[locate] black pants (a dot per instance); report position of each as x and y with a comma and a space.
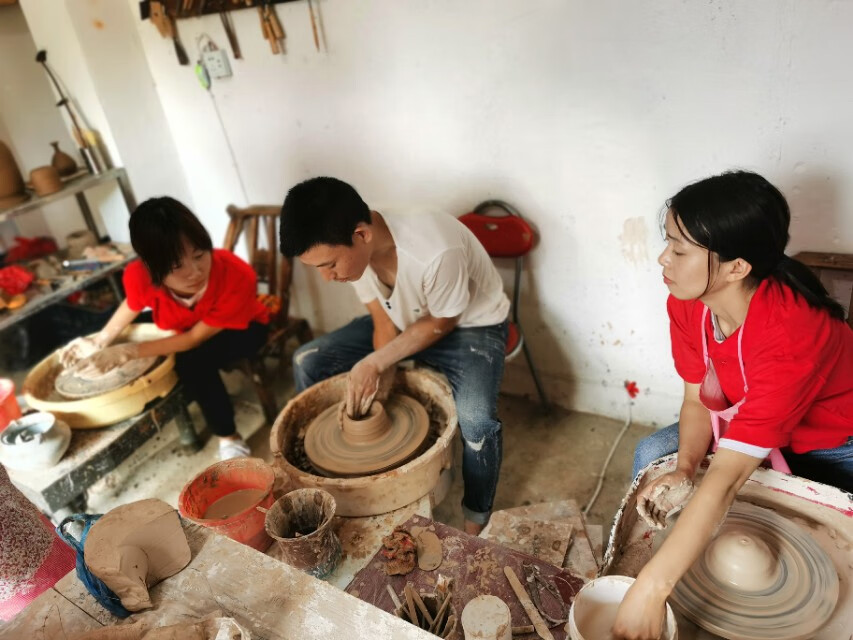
198, 370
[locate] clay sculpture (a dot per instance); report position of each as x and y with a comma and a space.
340, 446
135, 546
762, 577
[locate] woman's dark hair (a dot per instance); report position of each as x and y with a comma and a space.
157, 229
320, 211
739, 214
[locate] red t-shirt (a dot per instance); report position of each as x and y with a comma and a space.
230, 300
798, 363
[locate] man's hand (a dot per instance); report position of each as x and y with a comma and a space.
660, 497
77, 350
363, 384
106, 360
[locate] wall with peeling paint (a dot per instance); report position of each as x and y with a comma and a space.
585, 115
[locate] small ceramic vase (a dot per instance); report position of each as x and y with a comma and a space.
36, 441
45, 180
62, 162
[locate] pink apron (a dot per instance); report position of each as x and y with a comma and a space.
712, 397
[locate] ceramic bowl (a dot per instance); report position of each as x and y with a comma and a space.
36, 441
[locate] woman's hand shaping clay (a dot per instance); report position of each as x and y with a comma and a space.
106, 360
77, 350
657, 500
641, 614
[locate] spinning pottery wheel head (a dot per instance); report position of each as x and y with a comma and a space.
761, 578
388, 436
71, 385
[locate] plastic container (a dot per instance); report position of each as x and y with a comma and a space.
9, 409
224, 478
594, 609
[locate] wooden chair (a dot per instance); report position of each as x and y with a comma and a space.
505, 234
278, 278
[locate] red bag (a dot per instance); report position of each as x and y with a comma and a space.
15, 279
30, 249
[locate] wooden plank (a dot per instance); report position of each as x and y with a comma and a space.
820, 260
547, 540
48, 617
270, 598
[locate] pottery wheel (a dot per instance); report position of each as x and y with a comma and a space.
388, 436
71, 385
786, 594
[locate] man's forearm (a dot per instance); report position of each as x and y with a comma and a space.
415, 338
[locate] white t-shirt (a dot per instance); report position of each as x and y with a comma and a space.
442, 271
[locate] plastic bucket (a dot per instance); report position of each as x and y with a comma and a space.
9, 409
244, 522
594, 609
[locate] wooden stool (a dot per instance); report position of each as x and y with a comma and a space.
278, 278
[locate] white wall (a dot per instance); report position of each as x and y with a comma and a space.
585, 115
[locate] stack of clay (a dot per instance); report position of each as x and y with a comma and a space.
135, 546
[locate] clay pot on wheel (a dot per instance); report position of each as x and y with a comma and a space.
11, 181
64, 164
45, 180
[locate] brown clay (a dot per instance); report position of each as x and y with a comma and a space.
135, 546
301, 523
759, 558
45, 180
429, 550
11, 181
233, 503
400, 549
62, 162
389, 435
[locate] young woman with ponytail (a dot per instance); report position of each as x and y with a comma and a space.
767, 363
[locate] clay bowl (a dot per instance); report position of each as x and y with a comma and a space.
427, 474
36, 441
45, 180
594, 609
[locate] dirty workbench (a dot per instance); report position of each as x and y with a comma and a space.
270, 598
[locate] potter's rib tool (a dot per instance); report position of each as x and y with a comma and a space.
529, 608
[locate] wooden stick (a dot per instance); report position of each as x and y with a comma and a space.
447, 627
438, 616
523, 631
421, 606
529, 607
394, 598
413, 614
314, 25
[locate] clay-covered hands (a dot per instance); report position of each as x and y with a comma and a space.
362, 387
641, 614
77, 350
106, 360
662, 496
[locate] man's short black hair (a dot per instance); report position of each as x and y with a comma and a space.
320, 211
157, 229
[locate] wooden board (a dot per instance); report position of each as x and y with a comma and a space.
580, 558
545, 540
475, 564
270, 598
48, 617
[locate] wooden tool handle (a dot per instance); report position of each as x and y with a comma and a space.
529, 608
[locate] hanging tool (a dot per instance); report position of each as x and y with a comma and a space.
270, 27
314, 25
225, 16
183, 58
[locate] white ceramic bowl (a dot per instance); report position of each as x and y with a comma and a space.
36, 441
594, 609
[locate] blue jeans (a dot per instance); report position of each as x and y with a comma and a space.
829, 466
473, 361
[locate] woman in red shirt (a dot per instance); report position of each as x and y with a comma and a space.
767, 363
207, 296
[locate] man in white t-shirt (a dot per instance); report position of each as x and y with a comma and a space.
432, 294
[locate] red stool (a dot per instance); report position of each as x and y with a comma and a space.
505, 234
